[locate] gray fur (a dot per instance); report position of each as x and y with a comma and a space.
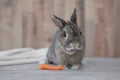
68, 46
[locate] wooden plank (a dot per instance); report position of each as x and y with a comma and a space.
38, 17
43, 12
106, 29
103, 35
28, 29
6, 36
110, 27
48, 24
100, 44
17, 23
27, 23
90, 25
117, 29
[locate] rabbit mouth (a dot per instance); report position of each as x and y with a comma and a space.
72, 51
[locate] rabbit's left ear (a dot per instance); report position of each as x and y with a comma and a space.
74, 16
59, 21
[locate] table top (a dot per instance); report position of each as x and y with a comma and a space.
93, 69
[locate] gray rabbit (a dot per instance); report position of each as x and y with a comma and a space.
68, 46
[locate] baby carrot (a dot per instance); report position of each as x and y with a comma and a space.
50, 67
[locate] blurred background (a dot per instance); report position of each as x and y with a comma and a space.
27, 23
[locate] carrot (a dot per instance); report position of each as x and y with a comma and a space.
50, 67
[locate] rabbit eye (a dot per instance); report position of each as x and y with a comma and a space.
64, 34
80, 32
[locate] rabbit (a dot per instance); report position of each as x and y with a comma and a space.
68, 45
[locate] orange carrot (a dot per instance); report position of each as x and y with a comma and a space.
50, 67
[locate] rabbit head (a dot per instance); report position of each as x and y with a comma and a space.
70, 37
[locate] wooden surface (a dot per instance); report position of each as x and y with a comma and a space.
27, 23
93, 69
101, 28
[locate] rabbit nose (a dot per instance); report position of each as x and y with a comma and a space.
74, 45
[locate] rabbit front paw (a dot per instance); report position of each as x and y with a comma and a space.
76, 66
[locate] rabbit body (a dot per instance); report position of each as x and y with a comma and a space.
68, 45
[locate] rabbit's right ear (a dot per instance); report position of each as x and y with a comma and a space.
58, 21
74, 16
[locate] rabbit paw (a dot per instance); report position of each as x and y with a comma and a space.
76, 66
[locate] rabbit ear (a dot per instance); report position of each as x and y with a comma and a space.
74, 16
58, 21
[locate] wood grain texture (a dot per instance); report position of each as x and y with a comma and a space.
27, 23
105, 30
17, 23
117, 28
101, 19
28, 29
6, 27
90, 26
38, 10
